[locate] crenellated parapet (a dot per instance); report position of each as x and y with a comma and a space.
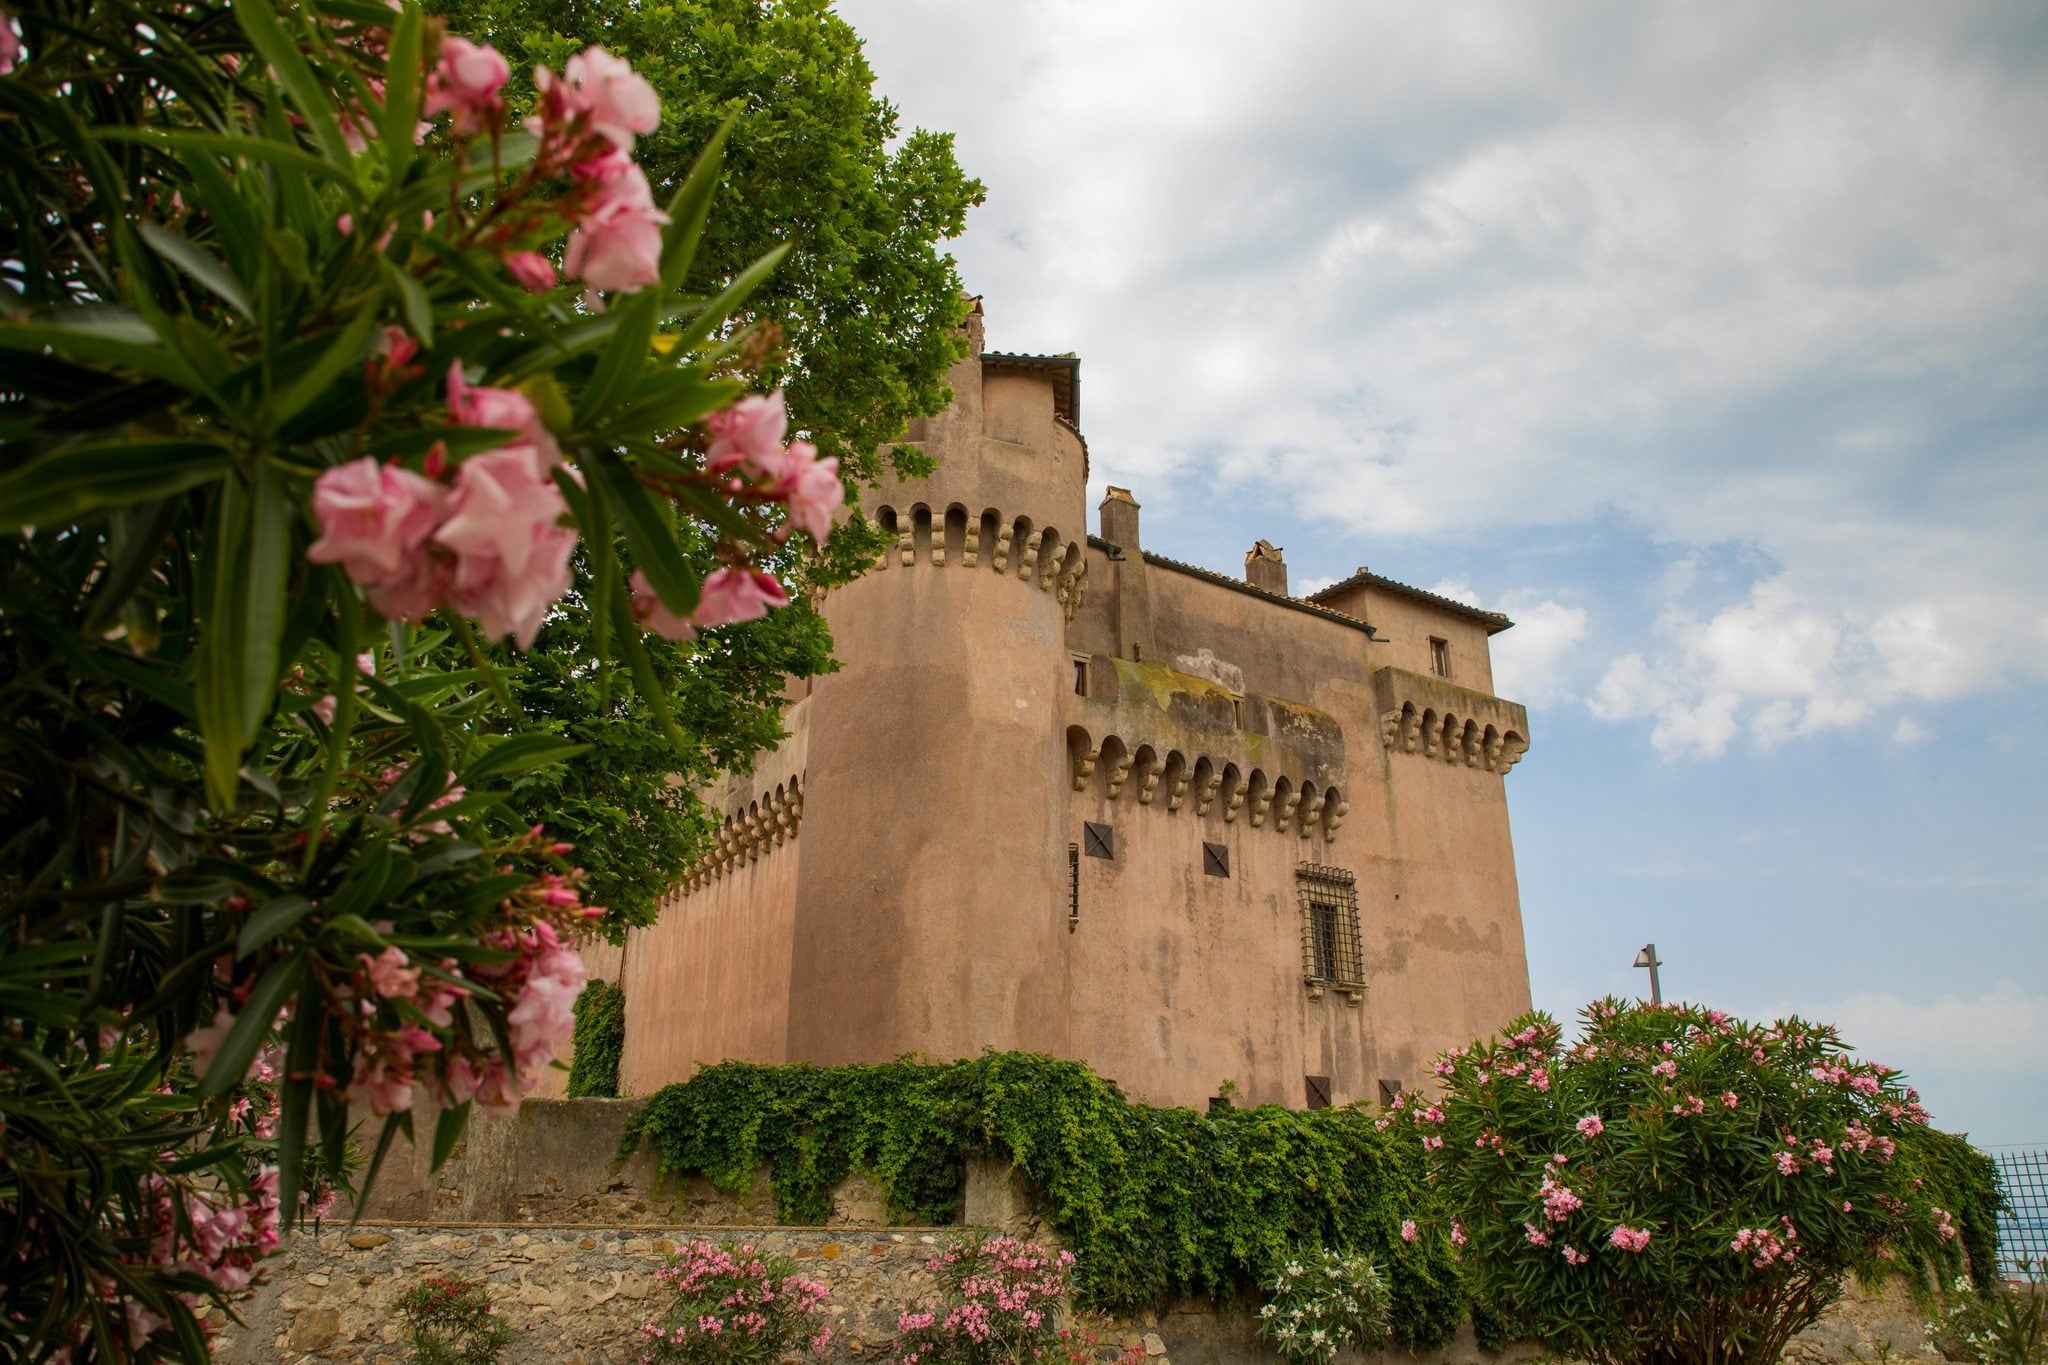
748, 835
1170, 780
1438, 720
1041, 556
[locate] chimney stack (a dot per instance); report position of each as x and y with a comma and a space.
1119, 519
1265, 569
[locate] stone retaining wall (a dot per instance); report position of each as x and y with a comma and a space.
578, 1296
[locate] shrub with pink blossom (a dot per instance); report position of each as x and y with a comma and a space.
1615, 1215
1001, 1303
327, 372
734, 1303
452, 1322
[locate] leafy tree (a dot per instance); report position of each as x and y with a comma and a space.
867, 307
1680, 1187
868, 304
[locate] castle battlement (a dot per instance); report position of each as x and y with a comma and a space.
1068, 795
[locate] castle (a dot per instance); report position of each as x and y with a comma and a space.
1073, 797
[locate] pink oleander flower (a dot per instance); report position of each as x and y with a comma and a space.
1666, 1069
1537, 1236
1408, 1232
813, 490
383, 1085
542, 1018
391, 974
535, 272
1788, 1164
465, 82
649, 612
1458, 1237
750, 432
511, 552
1590, 1127
1729, 1099
732, 595
396, 346
1572, 1255
10, 43
475, 405
1629, 1239
375, 520
617, 246
617, 101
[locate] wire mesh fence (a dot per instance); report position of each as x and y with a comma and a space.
2023, 1222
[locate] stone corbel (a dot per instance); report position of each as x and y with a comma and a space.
1232, 802
1475, 749
938, 543
1180, 789
1049, 571
1027, 559
1433, 740
1118, 775
1287, 809
1260, 803
970, 551
906, 542
1084, 767
1411, 733
1206, 797
1005, 533
1312, 814
1148, 780
1390, 728
1337, 813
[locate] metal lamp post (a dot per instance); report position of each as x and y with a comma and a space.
1648, 958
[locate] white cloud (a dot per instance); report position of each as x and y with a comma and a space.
1309, 587
1908, 731
1537, 662
1474, 269
1458, 590
2002, 1027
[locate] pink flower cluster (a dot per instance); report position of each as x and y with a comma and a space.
735, 1292
1572, 1255
1590, 1127
1559, 1203
205, 1233
1408, 1232
1765, 1246
1944, 1224
10, 43
747, 438
1002, 1290
1630, 1239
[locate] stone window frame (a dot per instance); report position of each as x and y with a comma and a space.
1440, 656
1332, 943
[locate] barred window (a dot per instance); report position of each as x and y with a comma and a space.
1329, 925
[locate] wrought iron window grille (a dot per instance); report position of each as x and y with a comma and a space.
1331, 950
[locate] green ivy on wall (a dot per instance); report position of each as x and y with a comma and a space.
1156, 1203
600, 1037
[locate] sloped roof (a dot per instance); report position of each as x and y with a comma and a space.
1495, 622
1063, 370
1224, 580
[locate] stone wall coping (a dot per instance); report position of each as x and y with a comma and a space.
831, 1231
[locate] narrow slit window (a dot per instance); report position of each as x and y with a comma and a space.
1080, 677
1440, 657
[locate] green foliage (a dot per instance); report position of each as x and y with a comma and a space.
1999, 1323
1964, 1181
867, 301
600, 1037
1682, 1186
1155, 1202
452, 1322
1324, 1302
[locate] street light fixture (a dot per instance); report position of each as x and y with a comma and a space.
1648, 958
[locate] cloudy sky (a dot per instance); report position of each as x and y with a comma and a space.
1709, 342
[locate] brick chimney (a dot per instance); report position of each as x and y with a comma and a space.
1119, 519
1264, 568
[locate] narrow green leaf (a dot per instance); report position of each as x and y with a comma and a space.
342, 355
618, 369
232, 1062
110, 340
393, 1125
402, 92
412, 300
266, 571
259, 21
726, 304
65, 484
240, 235
650, 534
269, 921
669, 400
448, 1131
280, 154
520, 754
295, 1098
200, 266
688, 207
216, 689
627, 631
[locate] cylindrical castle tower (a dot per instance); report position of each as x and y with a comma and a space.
933, 877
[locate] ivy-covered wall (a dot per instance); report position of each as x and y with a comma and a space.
1156, 1203
599, 1039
